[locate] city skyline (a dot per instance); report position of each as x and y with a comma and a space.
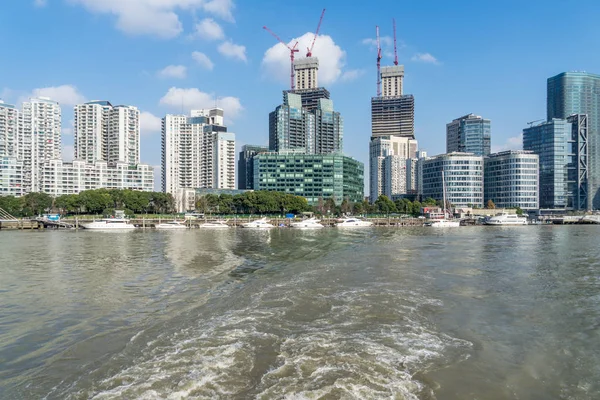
194, 54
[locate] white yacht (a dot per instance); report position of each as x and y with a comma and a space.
109, 224
506, 219
443, 223
352, 222
262, 223
215, 225
311, 223
171, 225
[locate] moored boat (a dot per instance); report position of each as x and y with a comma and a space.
505, 219
171, 225
262, 223
352, 222
311, 223
109, 224
215, 225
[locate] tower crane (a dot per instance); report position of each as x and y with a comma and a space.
309, 52
378, 63
292, 50
395, 49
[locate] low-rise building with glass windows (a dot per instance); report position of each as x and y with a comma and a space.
60, 177
312, 176
511, 179
463, 176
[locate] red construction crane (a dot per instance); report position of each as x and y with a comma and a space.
292, 49
378, 63
309, 53
395, 49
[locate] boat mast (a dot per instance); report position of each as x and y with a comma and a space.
444, 192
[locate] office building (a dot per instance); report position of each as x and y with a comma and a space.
293, 127
562, 147
511, 179
393, 116
197, 152
463, 177
579, 93
469, 134
549, 141
246, 165
103, 132
59, 178
11, 177
313, 176
380, 148
40, 139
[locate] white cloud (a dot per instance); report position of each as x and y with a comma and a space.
221, 8
232, 50
149, 123
352, 74
193, 98
66, 95
155, 17
511, 143
68, 131
384, 40
202, 60
40, 3
276, 61
68, 153
209, 29
426, 58
173, 71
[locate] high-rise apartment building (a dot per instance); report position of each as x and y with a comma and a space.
293, 127
11, 176
462, 175
197, 152
40, 139
469, 134
579, 93
104, 132
246, 165
9, 130
393, 144
511, 179
383, 152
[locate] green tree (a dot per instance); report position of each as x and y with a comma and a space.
346, 206
12, 205
36, 203
416, 208
518, 210
330, 205
95, 201
490, 205
385, 205
357, 208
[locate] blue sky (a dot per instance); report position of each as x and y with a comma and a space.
488, 58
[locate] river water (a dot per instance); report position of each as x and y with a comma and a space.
402, 313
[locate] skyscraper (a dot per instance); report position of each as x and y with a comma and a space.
392, 136
104, 132
305, 73
197, 152
469, 134
246, 165
293, 127
9, 130
40, 139
549, 141
579, 93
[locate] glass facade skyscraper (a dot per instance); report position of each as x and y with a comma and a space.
511, 179
579, 93
246, 165
469, 134
549, 140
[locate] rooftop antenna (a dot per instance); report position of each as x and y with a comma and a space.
378, 63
